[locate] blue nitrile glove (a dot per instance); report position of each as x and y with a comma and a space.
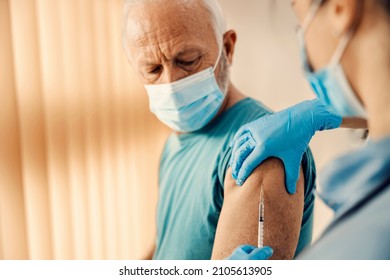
285, 135
249, 252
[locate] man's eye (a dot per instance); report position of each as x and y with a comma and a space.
155, 70
183, 63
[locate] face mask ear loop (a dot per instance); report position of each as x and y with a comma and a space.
310, 15
219, 56
341, 48
345, 41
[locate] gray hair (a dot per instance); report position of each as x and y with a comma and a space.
212, 6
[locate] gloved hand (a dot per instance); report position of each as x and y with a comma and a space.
285, 135
249, 252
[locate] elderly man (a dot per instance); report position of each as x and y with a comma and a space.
182, 53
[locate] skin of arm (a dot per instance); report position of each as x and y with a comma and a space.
238, 222
354, 123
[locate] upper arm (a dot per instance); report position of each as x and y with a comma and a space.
238, 222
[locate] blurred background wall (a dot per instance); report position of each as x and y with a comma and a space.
79, 148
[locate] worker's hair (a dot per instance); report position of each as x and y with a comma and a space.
212, 6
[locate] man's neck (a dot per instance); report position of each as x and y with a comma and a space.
233, 96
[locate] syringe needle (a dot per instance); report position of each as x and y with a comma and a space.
261, 220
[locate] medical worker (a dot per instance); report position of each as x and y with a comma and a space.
345, 50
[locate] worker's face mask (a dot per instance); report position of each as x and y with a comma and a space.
330, 84
188, 104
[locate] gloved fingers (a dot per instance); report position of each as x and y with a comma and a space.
237, 144
261, 253
246, 248
253, 160
243, 130
332, 121
325, 119
240, 155
292, 166
241, 252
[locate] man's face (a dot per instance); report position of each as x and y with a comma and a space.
169, 41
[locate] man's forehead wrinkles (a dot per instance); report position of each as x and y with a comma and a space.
153, 39
159, 33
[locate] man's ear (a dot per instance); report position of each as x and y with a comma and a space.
345, 15
229, 43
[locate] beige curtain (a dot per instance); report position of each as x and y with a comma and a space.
79, 149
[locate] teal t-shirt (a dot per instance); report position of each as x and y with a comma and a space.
191, 183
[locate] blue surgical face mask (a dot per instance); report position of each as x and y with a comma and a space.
330, 84
188, 104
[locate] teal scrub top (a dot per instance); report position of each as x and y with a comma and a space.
191, 182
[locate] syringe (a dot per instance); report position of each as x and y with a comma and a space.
261, 221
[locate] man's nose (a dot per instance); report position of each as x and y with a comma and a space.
173, 74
